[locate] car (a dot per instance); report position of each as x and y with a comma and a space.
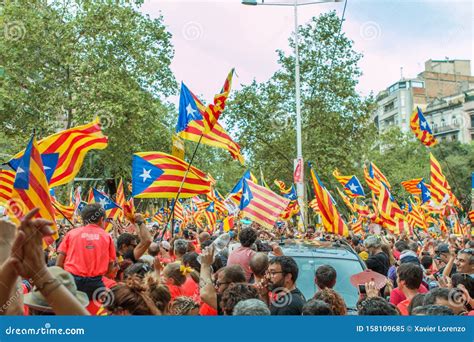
309, 255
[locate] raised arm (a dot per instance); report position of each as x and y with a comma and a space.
207, 290
143, 235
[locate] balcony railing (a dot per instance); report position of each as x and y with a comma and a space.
447, 128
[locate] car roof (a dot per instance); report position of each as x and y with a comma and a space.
319, 250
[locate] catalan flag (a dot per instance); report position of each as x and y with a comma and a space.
416, 217
346, 200
60, 209
291, 210
31, 190
281, 186
412, 186
260, 204
361, 209
425, 192
112, 209
356, 225
440, 190
120, 198
236, 192
63, 153
471, 216
90, 196
211, 216
159, 175
351, 184
332, 220
194, 123
7, 178
421, 128
178, 211
313, 204
129, 210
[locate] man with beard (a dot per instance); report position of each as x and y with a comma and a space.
285, 298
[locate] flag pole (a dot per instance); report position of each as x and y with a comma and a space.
179, 190
55, 207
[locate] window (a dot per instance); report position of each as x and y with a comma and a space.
472, 137
472, 121
402, 85
443, 123
455, 120
389, 106
417, 84
454, 137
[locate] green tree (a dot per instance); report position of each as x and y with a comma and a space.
335, 118
66, 62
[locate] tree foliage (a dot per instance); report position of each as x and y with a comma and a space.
335, 118
66, 62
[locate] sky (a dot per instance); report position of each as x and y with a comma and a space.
211, 37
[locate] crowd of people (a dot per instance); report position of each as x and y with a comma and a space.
136, 270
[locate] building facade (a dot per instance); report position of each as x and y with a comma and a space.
443, 90
452, 118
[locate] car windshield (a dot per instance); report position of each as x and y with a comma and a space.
345, 269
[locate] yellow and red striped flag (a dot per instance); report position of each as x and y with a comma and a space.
67, 210
159, 175
440, 190
361, 209
471, 216
346, 200
412, 186
421, 128
416, 217
260, 204
314, 205
332, 220
196, 122
356, 226
7, 178
65, 151
31, 190
120, 198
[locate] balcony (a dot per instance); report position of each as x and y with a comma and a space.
447, 128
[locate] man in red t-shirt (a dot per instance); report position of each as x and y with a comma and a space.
409, 278
88, 252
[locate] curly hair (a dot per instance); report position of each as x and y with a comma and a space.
236, 293
182, 306
132, 297
335, 301
376, 306
247, 237
160, 294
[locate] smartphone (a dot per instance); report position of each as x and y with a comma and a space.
362, 289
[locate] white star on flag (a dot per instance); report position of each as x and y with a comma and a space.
353, 187
19, 170
246, 196
190, 110
423, 124
145, 175
103, 202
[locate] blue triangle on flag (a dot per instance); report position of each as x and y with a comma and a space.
210, 207
143, 174
105, 201
246, 195
355, 187
188, 110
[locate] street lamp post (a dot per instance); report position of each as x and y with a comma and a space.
299, 145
